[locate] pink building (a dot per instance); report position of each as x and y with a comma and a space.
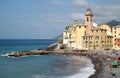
88, 21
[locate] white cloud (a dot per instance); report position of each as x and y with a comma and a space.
57, 2
107, 13
77, 16
80, 2
54, 18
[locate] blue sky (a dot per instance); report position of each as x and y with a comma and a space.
46, 19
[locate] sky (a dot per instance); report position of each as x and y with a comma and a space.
46, 19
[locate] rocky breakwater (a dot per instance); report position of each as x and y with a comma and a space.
50, 49
35, 52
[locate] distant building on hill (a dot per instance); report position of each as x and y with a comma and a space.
90, 36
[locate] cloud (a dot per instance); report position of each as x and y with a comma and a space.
77, 16
53, 18
80, 2
57, 2
107, 13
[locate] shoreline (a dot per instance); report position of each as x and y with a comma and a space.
103, 71
96, 58
97, 70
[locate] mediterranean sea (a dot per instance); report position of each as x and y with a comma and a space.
40, 66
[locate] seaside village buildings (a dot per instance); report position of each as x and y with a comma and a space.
89, 36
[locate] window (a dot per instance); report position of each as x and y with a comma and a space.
115, 31
85, 32
79, 26
86, 41
115, 28
90, 45
70, 36
96, 41
96, 30
90, 42
97, 37
102, 41
115, 35
87, 18
66, 37
90, 38
83, 38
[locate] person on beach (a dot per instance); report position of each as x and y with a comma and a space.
114, 73
97, 65
110, 68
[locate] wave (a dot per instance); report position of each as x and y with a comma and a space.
84, 72
5, 55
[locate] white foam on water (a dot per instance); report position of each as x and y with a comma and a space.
5, 55
40, 76
84, 72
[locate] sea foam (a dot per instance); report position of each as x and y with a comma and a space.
84, 72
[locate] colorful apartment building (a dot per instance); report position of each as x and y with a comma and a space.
72, 36
90, 37
116, 37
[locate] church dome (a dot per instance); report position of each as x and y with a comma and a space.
89, 12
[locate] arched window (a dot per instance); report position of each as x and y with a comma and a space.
97, 37
87, 18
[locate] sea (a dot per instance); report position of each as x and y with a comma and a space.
40, 66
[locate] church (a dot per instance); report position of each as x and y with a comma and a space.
90, 36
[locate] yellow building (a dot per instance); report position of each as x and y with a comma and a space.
116, 37
90, 37
107, 27
99, 39
72, 36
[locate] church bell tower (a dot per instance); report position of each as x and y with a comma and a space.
88, 21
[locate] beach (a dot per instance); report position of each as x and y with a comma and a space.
104, 71
101, 62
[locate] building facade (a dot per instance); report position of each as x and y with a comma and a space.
90, 37
72, 36
116, 37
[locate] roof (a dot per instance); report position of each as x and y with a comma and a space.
81, 25
117, 26
89, 12
98, 28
